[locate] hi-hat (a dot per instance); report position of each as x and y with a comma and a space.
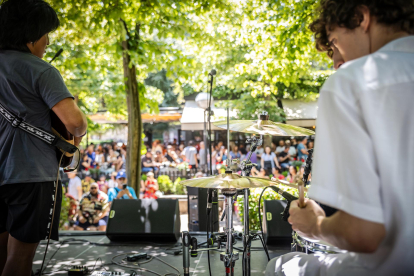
228, 181
264, 126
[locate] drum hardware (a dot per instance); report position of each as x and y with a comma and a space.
230, 182
313, 246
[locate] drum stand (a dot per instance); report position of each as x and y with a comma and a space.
230, 256
246, 167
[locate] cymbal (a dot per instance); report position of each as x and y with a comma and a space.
286, 183
228, 181
264, 127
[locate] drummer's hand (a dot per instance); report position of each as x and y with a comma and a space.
304, 220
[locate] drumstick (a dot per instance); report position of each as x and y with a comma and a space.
286, 183
301, 188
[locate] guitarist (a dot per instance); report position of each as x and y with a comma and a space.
29, 88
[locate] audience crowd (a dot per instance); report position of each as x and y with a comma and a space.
91, 198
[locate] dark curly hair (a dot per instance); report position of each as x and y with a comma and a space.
24, 21
346, 13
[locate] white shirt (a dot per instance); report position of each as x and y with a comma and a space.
279, 149
73, 185
364, 153
292, 151
190, 153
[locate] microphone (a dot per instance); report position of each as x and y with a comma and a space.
57, 55
286, 195
213, 72
185, 239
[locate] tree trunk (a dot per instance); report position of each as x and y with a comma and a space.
280, 105
133, 162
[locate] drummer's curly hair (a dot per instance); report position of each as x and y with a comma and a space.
24, 21
346, 13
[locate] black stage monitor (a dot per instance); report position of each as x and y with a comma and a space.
144, 220
276, 231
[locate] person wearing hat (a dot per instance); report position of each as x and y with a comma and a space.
93, 210
122, 190
112, 182
87, 181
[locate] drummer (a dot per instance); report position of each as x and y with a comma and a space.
369, 100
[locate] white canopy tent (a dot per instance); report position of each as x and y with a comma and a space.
298, 113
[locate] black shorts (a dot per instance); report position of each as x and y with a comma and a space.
26, 210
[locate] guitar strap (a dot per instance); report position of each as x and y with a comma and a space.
45, 136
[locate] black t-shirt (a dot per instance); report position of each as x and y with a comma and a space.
169, 158
29, 88
283, 155
146, 159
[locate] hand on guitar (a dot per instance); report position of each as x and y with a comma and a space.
77, 141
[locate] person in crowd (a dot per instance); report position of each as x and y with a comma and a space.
294, 142
86, 163
122, 190
121, 164
280, 148
103, 184
74, 186
310, 145
373, 221
234, 153
159, 158
269, 160
259, 151
292, 174
149, 186
243, 153
190, 155
199, 175
301, 171
86, 182
277, 174
156, 146
302, 150
256, 173
99, 158
202, 156
171, 156
284, 158
292, 150
112, 182
112, 157
148, 164
93, 210
92, 155
273, 147
30, 88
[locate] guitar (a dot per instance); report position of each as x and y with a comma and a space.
59, 129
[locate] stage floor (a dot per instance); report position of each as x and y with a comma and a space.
86, 254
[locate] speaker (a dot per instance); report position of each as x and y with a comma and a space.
197, 211
276, 231
144, 219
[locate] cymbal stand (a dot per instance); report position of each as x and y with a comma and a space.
246, 166
229, 257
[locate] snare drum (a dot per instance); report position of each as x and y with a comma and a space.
313, 246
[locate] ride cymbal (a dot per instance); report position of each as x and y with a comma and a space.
264, 126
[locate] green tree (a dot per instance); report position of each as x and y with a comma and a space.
111, 46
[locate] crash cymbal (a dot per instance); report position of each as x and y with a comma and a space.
263, 126
286, 183
228, 181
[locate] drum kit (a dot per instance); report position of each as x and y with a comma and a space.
232, 184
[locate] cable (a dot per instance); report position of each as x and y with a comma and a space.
142, 268
53, 213
208, 245
261, 224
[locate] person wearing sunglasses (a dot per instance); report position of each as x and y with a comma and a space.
93, 210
